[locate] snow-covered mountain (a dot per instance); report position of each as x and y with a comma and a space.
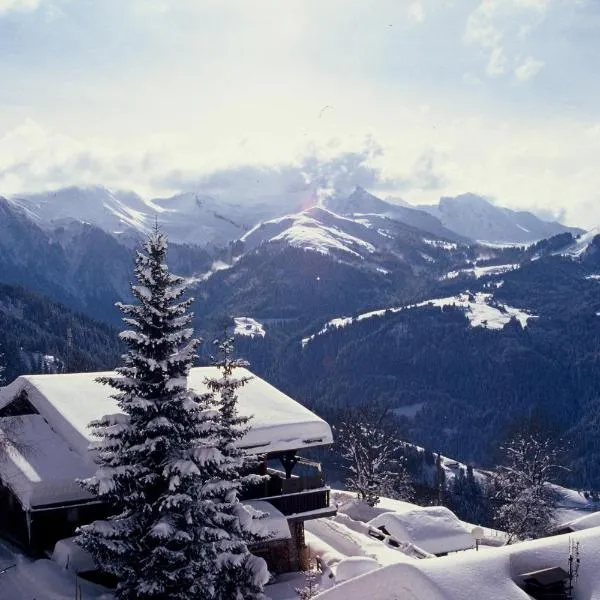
474, 217
112, 211
372, 239
319, 230
362, 203
204, 219
187, 218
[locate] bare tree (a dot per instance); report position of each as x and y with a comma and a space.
370, 450
525, 500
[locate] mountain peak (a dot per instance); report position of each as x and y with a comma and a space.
477, 218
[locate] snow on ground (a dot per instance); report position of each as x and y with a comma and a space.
248, 326
479, 272
434, 529
351, 538
441, 244
41, 579
480, 308
493, 574
503, 245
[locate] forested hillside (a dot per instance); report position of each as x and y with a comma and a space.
37, 335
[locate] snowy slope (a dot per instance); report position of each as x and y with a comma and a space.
474, 217
319, 230
481, 310
581, 244
113, 211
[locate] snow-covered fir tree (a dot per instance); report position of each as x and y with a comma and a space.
525, 502
152, 459
240, 575
370, 451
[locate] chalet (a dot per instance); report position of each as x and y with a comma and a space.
41, 502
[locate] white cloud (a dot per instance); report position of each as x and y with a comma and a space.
528, 69
496, 27
170, 96
416, 11
481, 28
18, 5
497, 62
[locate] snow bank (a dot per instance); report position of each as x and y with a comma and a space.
42, 579
479, 272
493, 573
68, 555
354, 566
581, 523
434, 529
581, 244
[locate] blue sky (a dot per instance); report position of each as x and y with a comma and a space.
412, 99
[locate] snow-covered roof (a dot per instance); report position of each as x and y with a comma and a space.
44, 468
495, 573
59, 435
434, 529
69, 402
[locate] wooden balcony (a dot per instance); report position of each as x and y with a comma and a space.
292, 496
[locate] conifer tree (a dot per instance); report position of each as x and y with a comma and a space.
159, 543
240, 576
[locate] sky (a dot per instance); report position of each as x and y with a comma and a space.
411, 99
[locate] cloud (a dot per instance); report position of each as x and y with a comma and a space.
18, 5
528, 69
426, 174
497, 62
497, 28
416, 11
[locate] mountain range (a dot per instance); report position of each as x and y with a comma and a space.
205, 220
